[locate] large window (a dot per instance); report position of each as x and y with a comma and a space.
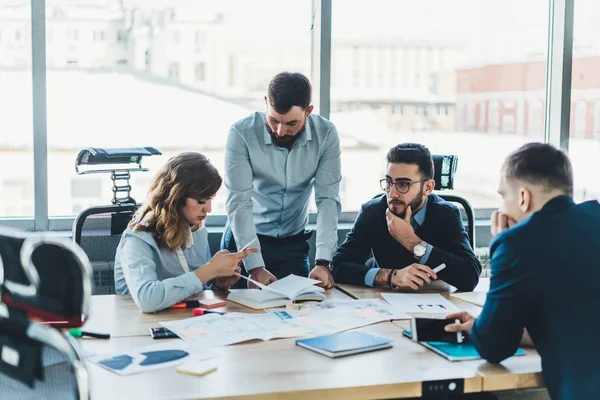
464, 77
584, 143
170, 74
480, 60
16, 119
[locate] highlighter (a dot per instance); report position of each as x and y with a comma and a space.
79, 333
186, 304
201, 311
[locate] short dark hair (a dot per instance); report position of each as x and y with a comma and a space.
289, 89
412, 153
540, 164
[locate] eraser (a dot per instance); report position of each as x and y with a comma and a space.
197, 368
212, 303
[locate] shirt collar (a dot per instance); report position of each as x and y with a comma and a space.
305, 137
418, 218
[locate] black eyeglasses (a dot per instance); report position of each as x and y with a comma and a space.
401, 186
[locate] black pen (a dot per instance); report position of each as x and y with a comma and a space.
347, 293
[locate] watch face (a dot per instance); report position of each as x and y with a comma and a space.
419, 250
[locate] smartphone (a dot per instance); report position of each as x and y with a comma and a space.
162, 333
432, 330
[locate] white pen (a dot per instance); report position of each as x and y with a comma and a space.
260, 285
439, 268
246, 247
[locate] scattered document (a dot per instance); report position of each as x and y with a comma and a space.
278, 293
477, 298
420, 303
149, 358
333, 316
221, 330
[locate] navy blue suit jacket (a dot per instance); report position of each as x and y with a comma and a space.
442, 228
545, 278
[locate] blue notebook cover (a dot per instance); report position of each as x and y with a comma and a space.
455, 351
345, 343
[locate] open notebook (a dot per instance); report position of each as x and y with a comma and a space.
279, 293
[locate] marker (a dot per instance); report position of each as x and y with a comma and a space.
186, 304
439, 268
79, 333
246, 247
201, 311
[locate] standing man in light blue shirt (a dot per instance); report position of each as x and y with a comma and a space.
273, 160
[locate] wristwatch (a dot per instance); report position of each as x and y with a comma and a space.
323, 263
420, 249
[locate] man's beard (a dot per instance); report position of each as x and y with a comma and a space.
284, 140
413, 204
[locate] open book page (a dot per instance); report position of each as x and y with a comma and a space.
293, 285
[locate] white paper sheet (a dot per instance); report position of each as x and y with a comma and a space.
221, 330
420, 303
136, 357
333, 316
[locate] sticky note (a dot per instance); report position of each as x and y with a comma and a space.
197, 368
212, 303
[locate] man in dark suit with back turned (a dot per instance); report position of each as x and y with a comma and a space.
545, 283
408, 230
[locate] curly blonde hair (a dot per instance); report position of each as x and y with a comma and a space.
187, 175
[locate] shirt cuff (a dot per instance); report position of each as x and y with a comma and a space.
253, 261
323, 254
191, 280
370, 276
425, 257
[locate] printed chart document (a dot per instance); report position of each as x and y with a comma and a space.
333, 316
286, 290
149, 358
220, 330
420, 303
477, 298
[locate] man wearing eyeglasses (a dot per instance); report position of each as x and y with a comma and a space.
408, 230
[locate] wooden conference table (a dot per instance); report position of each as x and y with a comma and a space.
280, 369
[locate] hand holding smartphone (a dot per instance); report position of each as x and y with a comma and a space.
432, 330
246, 247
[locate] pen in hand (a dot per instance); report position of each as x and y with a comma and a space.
438, 269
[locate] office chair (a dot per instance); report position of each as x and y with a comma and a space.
98, 229
444, 171
44, 279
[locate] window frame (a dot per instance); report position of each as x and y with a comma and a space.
556, 126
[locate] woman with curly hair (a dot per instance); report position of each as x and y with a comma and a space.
163, 256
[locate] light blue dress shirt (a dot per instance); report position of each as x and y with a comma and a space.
269, 187
415, 221
154, 276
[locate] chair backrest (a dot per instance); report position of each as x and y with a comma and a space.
47, 277
98, 231
445, 169
51, 365
41, 278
